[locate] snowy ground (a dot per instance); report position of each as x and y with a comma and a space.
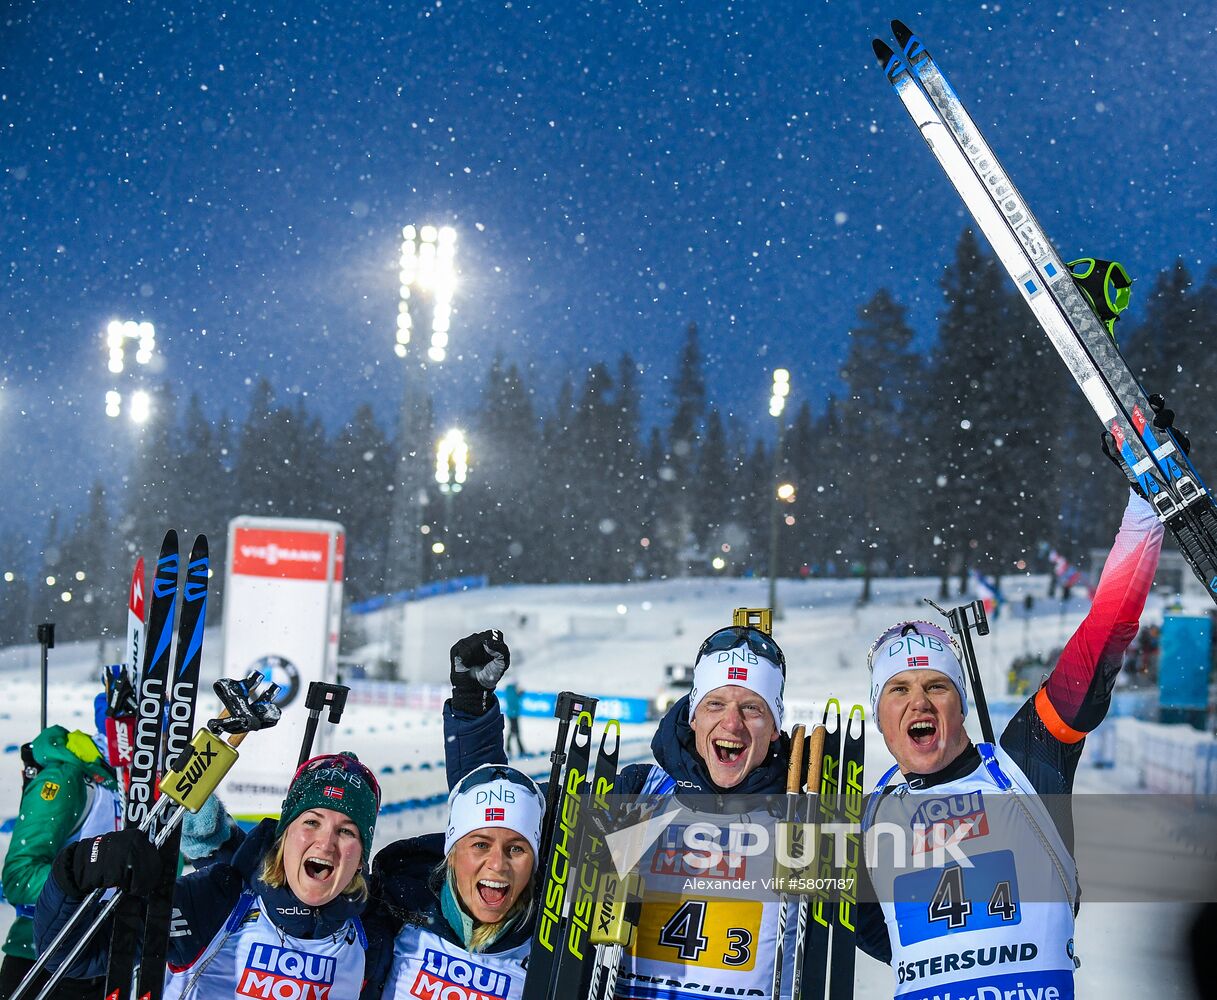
615, 640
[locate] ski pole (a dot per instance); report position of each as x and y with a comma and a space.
962, 627
321, 696
815, 764
567, 707
192, 778
785, 837
46, 639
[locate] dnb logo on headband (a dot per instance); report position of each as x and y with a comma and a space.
274, 973
446, 977
496, 815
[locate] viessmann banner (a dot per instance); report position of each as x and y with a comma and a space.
282, 616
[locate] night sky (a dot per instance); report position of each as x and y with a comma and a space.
239, 175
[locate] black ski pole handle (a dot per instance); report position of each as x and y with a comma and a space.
321, 696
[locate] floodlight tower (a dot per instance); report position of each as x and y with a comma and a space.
784, 493
427, 283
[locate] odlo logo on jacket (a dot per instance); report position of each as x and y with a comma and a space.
444, 977
274, 973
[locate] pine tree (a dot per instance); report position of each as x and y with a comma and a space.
878, 369
684, 436
362, 459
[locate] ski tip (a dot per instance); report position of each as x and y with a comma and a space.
902, 32
883, 51
613, 726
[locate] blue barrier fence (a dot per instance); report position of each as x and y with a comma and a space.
436, 589
540, 704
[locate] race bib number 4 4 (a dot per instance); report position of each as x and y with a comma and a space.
938, 901
708, 933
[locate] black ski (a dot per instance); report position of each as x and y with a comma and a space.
558, 863
181, 701
852, 801
575, 960
127, 932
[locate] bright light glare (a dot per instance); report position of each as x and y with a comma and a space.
786, 492
437, 548
781, 389
9, 577
50, 581
718, 562
141, 406
80, 574
427, 255
65, 596
452, 459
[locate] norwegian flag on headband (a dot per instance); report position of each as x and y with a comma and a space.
496, 815
919, 661
737, 673
333, 792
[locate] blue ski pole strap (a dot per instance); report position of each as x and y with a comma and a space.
988, 757
881, 789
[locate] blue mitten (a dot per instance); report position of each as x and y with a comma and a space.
205, 832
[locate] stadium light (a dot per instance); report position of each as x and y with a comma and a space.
119, 335
428, 270
785, 491
451, 461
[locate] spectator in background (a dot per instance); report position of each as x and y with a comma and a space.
511, 712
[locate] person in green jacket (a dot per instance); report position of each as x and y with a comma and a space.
73, 795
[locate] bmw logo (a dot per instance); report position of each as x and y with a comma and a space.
283, 672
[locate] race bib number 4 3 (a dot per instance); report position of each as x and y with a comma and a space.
708, 933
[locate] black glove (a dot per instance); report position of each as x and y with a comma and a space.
124, 860
1164, 420
478, 661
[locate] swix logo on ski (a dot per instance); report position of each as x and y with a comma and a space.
953, 819
674, 856
445, 977
275, 973
294, 555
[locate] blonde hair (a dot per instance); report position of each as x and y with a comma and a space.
274, 874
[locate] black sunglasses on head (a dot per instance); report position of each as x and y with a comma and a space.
744, 635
